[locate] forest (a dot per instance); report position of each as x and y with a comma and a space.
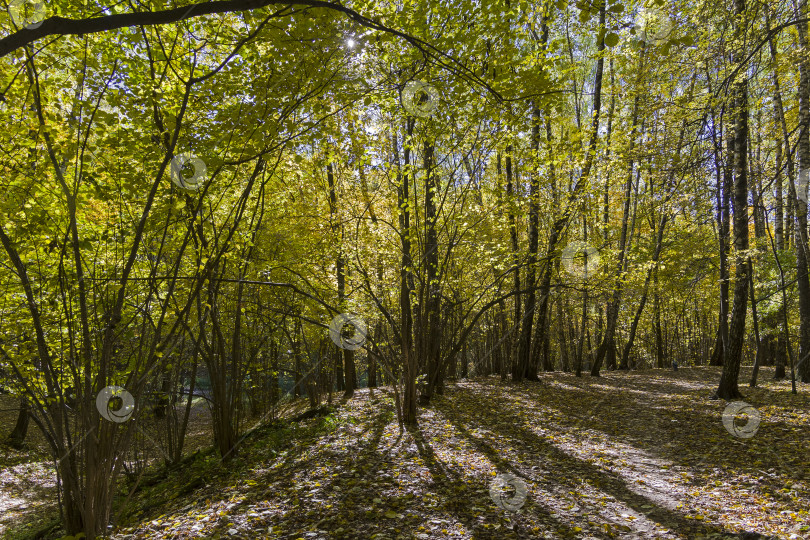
404, 269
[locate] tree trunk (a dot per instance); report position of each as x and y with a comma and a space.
533, 348
759, 348
581, 340
513, 237
561, 223
521, 367
728, 388
724, 230
658, 230
800, 202
433, 304
405, 283
350, 382
464, 360
659, 337
340, 384
562, 339
615, 301
780, 212
780, 358
372, 358
17, 437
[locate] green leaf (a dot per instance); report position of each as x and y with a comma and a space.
612, 39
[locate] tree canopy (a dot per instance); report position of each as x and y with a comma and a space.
204, 199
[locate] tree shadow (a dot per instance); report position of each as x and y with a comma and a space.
335, 484
577, 470
671, 428
466, 491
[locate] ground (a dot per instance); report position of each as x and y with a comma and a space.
629, 455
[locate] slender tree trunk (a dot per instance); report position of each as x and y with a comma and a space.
724, 230
581, 340
780, 358
780, 212
464, 361
543, 330
538, 345
299, 372
615, 301
433, 304
411, 367
522, 366
659, 336
562, 339
372, 358
783, 223
659, 237
340, 385
340, 269
17, 437
800, 202
758, 357
555, 235
513, 237
760, 224
351, 372
728, 388
181, 435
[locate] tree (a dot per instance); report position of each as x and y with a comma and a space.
802, 245
728, 388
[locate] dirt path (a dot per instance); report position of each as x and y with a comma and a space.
631, 455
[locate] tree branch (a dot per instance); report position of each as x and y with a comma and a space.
55, 26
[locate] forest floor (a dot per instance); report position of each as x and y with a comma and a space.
629, 455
